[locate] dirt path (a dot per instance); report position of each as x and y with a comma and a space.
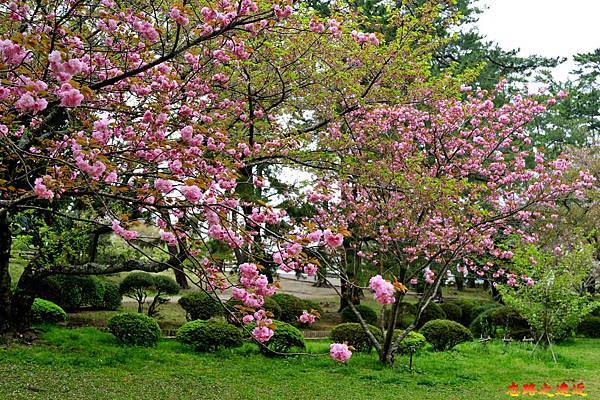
297, 287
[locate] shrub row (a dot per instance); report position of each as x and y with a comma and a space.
73, 292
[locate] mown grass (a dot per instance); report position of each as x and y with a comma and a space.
86, 364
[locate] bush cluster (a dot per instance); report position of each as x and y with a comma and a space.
367, 313
590, 327
291, 306
199, 305
500, 321
444, 334
453, 311
208, 336
44, 311
285, 338
73, 292
431, 312
354, 335
414, 339
236, 307
134, 329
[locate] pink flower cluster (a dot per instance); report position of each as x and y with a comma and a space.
41, 190
262, 332
362, 38
307, 318
124, 233
383, 291
340, 352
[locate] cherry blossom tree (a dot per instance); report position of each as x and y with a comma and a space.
122, 115
435, 186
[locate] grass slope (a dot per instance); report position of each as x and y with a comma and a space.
88, 364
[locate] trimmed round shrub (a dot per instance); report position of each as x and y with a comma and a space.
285, 338
134, 329
309, 304
291, 306
44, 311
354, 335
112, 296
136, 281
444, 334
199, 305
453, 312
406, 315
366, 312
415, 339
92, 291
499, 321
207, 336
431, 312
166, 285
237, 307
72, 292
466, 310
480, 309
590, 327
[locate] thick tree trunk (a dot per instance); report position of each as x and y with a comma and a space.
5, 283
22, 301
181, 278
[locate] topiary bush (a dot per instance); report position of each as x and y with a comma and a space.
72, 292
415, 339
239, 310
112, 296
285, 338
44, 311
354, 335
366, 312
199, 305
208, 336
589, 327
431, 312
444, 334
134, 329
477, 310
406, 315
312, 305
466, 309
498, 322
453, 311
291, 306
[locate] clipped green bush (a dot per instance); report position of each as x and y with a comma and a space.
589, 327
72, 292
466, 310
366, 312
285, 338
237, 308
310, 304
431, 312
112, 296
480, 309
415, 339
499, 322
208, 336
44, 311
354, 335
134, 329
444, 334
291, 306
406, 315
199, 305
453, 311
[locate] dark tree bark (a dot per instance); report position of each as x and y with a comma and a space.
5, 282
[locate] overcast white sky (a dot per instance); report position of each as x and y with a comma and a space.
545, 27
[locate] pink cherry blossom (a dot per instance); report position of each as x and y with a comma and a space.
383, 291
340, 352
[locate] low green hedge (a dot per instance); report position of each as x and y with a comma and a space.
44, 311
134, 329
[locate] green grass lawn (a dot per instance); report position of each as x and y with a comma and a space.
88, 364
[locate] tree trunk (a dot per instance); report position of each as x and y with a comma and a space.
5, 290
22, 300
460, 283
